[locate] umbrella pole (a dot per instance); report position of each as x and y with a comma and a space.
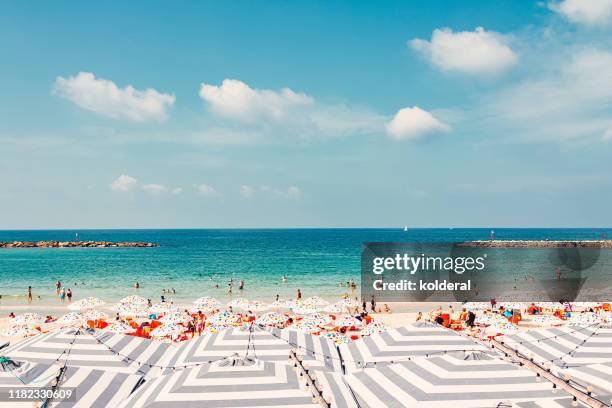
559, 383
313, 388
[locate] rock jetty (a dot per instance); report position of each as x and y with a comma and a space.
76, 244
498, 243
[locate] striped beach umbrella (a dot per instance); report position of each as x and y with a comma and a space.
230, 384
111, 352
274, 346
594, 378
89, 387
417, 339
241, 341
455, 380
315, 352
564, 347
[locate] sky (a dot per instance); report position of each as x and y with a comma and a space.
305, 114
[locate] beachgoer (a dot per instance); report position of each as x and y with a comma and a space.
62, 295
12, 315
241, 287
373, 304
229, 289
419, 316
163, 299
173, 291
29, 294
69, 294
299, 294
58, 286
284, 279
471, 317
387, 308
137, 285
200, 325
363, 305
277, 297
149, 303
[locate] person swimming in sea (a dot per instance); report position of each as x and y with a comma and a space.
284, 279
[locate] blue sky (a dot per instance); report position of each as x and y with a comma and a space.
306, 114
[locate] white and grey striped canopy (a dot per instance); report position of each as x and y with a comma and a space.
567, 346
93, 388
452, 380
598, 376
417, 339
315, 352
84, 348
254, 342
274, 346
565, 402
225, 384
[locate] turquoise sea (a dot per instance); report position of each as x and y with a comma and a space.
194, 261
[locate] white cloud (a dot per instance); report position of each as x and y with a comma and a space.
107, 99
177, 190
246, 191
124, 183
263, 114
155, 189
237, 100
588, 12
472, 52
569, 101
292, 192
413, 123
206, 190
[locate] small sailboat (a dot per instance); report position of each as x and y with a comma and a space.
405, 228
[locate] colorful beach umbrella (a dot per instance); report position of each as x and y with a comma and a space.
86, 303
134, 300
72, 319
163, 307
27, 318
95, 315
167, 330
175, 317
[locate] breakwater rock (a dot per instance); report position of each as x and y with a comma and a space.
498, 243
76, 244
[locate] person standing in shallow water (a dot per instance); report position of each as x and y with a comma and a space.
29, 294
69, 295
299, 294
